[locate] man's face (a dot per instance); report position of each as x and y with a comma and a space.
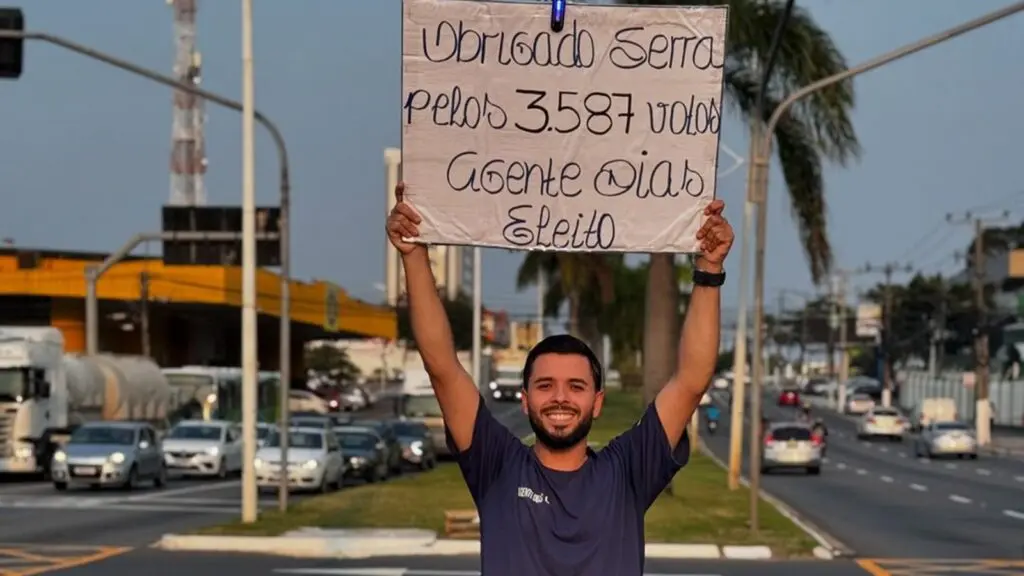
561, 400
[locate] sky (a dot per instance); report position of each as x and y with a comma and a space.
84, 148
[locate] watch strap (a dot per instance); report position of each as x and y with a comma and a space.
709, 279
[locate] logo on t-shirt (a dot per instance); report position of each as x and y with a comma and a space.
529, 494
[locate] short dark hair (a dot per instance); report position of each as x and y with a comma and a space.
567, 345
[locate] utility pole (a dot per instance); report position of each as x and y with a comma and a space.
938, 333
885, 337
982, 408
830, 343
844, 362
144, 313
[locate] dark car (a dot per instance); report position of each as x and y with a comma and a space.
386, 430
365, 454
789, 397
417, 444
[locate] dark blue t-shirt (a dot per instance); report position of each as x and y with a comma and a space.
588, 522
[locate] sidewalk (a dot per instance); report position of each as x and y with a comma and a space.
368, 543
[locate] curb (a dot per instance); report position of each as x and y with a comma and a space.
312, 543
828, 546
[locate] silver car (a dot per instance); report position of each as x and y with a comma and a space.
98, 454
946, 439
791, 445
204, 448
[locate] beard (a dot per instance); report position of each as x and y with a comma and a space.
563, 440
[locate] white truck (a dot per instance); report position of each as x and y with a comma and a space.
45, 394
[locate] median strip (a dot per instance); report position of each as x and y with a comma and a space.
698, 518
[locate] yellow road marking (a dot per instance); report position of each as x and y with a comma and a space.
872, 567
61, 557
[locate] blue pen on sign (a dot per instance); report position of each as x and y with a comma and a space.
557, 15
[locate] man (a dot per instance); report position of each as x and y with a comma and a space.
559, 508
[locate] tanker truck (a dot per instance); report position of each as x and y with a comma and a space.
45, 394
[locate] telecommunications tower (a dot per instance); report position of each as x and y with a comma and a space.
188, 145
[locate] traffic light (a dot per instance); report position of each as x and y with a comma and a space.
12, 50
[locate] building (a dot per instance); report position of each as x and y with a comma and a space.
452, 265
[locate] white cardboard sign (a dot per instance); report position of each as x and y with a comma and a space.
601, 137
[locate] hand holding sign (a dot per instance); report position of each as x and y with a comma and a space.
403, 222
715, 238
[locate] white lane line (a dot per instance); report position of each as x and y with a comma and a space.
924, 460
840, 466
903, 454
1019, 478
983, 472
861, 472
887, 479
951, 466
919, 487
883, 449
164, 494
1014, 514
866, 444
959, 499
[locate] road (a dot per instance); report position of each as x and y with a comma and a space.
53, 527
882, 501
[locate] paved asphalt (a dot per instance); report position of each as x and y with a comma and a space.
880, 500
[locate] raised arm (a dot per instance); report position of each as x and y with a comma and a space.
698, 343
455, 390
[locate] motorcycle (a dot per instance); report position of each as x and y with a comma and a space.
711, 419
712, 426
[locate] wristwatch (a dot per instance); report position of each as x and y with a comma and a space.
709, 279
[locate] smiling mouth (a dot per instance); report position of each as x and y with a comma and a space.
560, 416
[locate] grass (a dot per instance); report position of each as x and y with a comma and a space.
700, 509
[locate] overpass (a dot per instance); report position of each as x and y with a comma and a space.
193, 313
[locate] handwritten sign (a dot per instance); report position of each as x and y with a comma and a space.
601, 137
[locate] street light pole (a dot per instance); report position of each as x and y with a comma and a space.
760, 164
249, 344
284, 226
739, 382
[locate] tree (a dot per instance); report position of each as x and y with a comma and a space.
460, 315
817, 129
576, 279
330, 360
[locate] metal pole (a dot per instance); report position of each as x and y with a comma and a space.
283, 171
764, 152
249, 335
541, 290
739, 360
94, 273
740, 347
477, 316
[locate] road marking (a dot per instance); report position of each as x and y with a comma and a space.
983, 472
824, 460
861, 471
951, 466
417, 572
1019, 478
959, 499
866, 444
919, 487
872, 567
924, 460
840, 466
162, 494
883, 449
887, 479
903, 454
41, 559
1014, 514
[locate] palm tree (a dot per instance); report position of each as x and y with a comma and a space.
572, 277
813, 131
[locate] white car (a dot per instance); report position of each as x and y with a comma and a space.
946, 439
315, 461
858, 404
880, 422
204, 448
791, 445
